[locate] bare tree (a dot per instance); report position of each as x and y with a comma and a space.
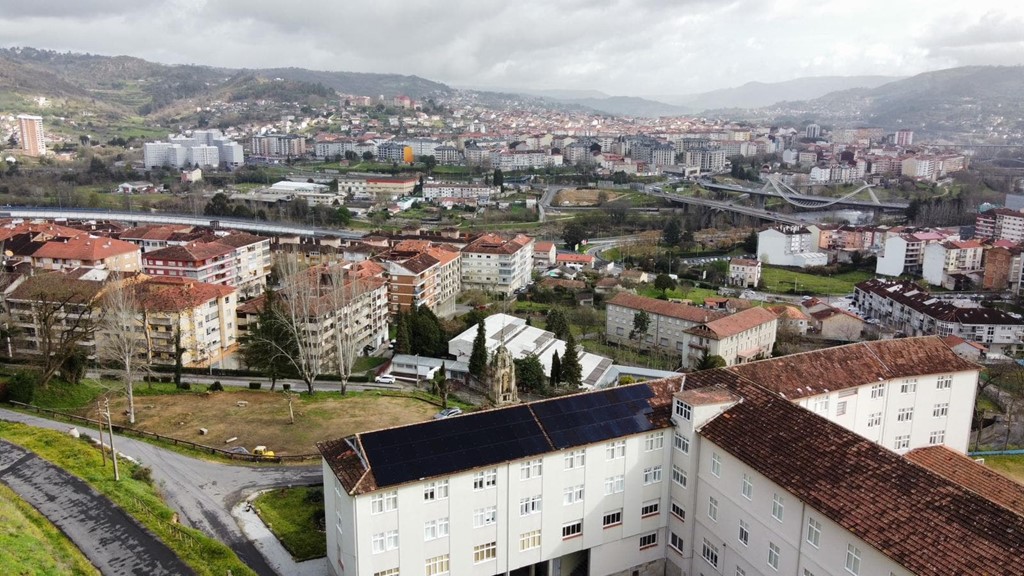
300, 313
346, 296
124, 343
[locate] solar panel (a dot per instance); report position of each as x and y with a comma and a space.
441, 447
595, 417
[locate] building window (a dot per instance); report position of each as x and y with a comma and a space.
716, 465
821, 405
614, 484
650, 508
485, 516
744, 532
529, 540
874, 419
813, 532
675, 541
903, 442
485, 552
878, 391
681, 443
852, 559
485, 479
908, 386
572, 529
710, 553
530, 469
905, 415
747, 489
773, 555
654, 441
679, 476
529, 505
572, 495
434, 529
436, 566
437, 490
944, 382
612, 518
648, 540
615, 450
713, 508
388, 572
841, 408
652, 475
677, 510
940, 410
684, 410
937, 437
777, 507
383, 541
574, 459
384, 502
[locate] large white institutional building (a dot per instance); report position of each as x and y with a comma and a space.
790, 466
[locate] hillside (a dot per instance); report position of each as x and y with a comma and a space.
760, 94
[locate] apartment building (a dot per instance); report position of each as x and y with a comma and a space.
1000, 224
30, 135
208, 262
953, 264
251, 259
1004, 264
390, 187
790, 246
744, 272
156, 236
278, 145
908, 308
713, 472
904, 253
86, 251
495, 264
668, 321
738, 338
434, 191
52, 307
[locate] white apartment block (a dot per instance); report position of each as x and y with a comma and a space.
944, 260
436, 190
790, 246
708, 473
744, 272
904, 253
1000, 224
511, 160
495, 264
745, 336
205, 148
906, 307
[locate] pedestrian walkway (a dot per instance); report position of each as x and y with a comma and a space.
111, 539
271, 548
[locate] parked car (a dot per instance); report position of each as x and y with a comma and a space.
384, 379
447, 413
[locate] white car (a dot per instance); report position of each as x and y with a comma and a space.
384, 379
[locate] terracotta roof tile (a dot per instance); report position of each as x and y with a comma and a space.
666, 308
173, 294
192, 252
736, 323
976, 477
86, 248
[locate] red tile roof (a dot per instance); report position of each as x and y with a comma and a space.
192, 252
976, 477
575, 258
85, 248
735, 323
163, 294
665, 308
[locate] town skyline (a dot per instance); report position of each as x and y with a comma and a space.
667, 48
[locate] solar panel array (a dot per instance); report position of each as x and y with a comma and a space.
440, 447
595, 417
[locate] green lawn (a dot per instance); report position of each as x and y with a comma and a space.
696, 294
781, 280
295, 516
1011, 466
32, 545
139, 498
364, 363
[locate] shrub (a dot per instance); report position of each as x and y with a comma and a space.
22, 387
184, 386
216, 386
143, 474
314, 496
286, 387
255, 385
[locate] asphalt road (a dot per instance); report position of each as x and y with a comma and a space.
201, 492
111, 539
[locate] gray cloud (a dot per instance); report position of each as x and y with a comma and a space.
617, 46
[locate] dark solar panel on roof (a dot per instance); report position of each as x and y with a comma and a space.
597, 416
440, 447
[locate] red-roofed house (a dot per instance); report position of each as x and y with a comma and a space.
738, 338
575, 261
85, 251
544, 253
744, 272
495, 264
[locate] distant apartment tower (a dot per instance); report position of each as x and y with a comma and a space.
812, 131
31, 132
903, 137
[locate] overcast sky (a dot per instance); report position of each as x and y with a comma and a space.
621, 47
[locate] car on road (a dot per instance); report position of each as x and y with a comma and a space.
384, 379
447, 413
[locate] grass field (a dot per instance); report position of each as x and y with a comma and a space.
32, 545
295, 516
781, 280
696, 294
140, 499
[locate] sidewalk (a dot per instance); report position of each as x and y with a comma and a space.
270, 547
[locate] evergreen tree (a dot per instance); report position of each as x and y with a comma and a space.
557, 323
572, 372
478, 357
556, 371
403, 338
750, 243
440, 384
428, 337
672, 233
265, 347
707, 362
529, 372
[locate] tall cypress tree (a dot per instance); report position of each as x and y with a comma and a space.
572, 372
478, 357
556, 371
403, 337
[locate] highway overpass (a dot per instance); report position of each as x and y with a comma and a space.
807, 201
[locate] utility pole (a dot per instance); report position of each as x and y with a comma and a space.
103, 451
110, 432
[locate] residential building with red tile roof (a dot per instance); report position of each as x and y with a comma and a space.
497, 264
85, 251
155, 236
953, 263
544, 253
575, 261
668, 321
741, 337
744, 272
237, 259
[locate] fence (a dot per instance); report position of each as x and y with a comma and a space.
176, 441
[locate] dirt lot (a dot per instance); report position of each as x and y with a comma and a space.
265, 419
583, 197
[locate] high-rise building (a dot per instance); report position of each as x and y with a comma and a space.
812, 131
31, 133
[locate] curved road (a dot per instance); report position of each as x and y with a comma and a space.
201, 492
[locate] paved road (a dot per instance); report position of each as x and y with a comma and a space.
111, 539
202, 492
